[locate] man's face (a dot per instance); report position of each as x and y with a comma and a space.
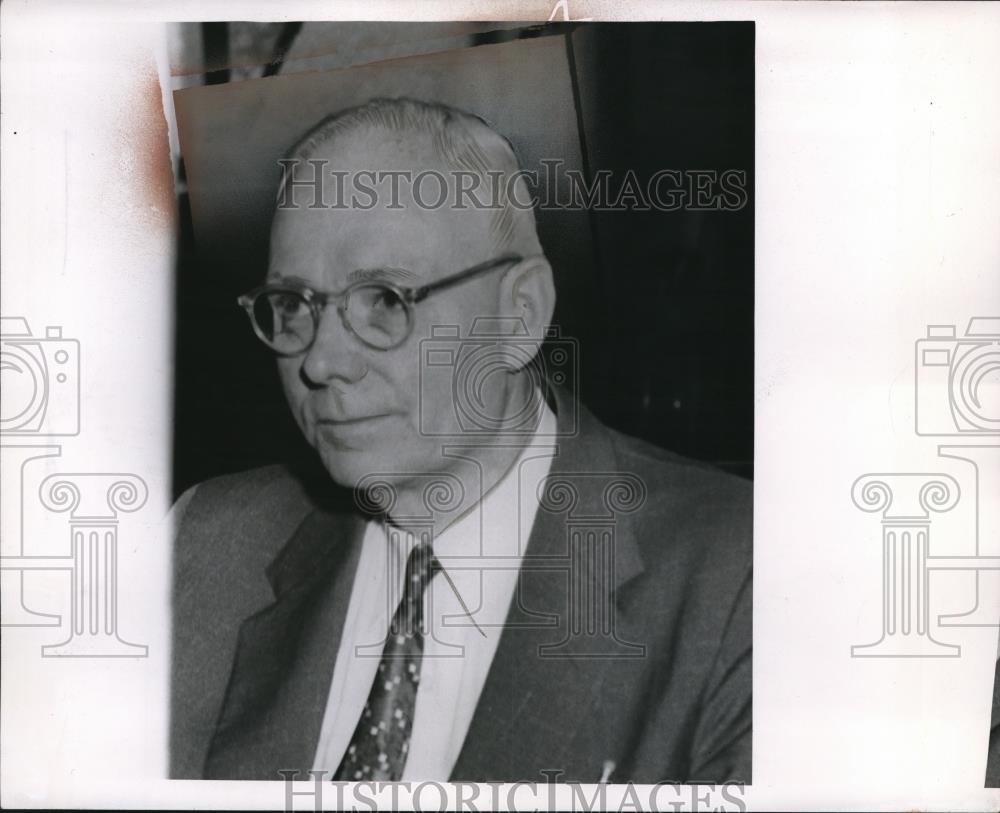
357, 406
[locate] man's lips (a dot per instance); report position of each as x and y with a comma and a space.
351, 433
347, 422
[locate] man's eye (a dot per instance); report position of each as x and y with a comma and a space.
386, 299
287, 304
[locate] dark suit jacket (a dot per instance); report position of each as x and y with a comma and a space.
660, 685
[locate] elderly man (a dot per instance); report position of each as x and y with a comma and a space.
480, 581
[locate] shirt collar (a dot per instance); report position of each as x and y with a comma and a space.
494, 520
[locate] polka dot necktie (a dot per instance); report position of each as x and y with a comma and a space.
379, 746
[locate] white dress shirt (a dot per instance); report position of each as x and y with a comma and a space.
481, 553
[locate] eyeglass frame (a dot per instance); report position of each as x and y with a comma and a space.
318, 301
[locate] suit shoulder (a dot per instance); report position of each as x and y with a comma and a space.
689, 505
276, 478
664, 466
237, 515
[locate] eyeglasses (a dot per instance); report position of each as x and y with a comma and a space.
380, 314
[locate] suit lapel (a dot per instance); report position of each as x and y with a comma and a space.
273, 708
545, 680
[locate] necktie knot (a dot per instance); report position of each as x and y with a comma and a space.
421, 567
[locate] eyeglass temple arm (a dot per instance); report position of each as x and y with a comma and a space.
426, 290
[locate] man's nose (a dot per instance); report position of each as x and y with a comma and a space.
336, 354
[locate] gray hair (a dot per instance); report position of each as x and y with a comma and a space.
464, 141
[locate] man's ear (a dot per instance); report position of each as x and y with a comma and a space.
528, 293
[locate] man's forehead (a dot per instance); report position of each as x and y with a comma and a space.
389, 199
329, 243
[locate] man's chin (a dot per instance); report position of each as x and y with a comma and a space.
348, 467
353, 467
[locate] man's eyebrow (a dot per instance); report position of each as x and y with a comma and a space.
386, 274
277, 278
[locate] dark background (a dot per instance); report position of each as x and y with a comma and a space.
663, 311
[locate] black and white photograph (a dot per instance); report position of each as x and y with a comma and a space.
502, 485
562, 406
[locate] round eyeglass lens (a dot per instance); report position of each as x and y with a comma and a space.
378, 315
284, 320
